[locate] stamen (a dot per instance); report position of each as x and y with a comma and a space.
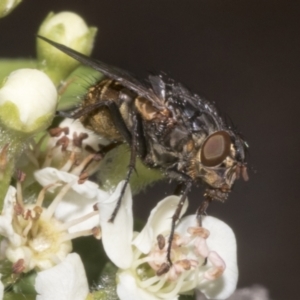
41, 196
161, 241
71, 223
83, 177
185, 264
199, 231
49, 157
32, 157
57, 131
74, 235
77, 140
69, 163
18, 267
146, 284
201, 247
27, 228
16, 222
37, 147
96, 231
218, 268
18, 209
171, 290
188, 285
19, 195
78, 170
164, 268
63, 142
52, 207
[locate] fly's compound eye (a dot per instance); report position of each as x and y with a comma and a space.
215, 149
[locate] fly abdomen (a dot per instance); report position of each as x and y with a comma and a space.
100, 119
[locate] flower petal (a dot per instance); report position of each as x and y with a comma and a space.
49, 175
117, 235
127, 288
6, 228
65, 281
221, 240
158, 222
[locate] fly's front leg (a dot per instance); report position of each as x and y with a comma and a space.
176, 216
202, 209
131, 167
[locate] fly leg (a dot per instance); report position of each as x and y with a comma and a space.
202, 209
131, 168
176, 216
138, 148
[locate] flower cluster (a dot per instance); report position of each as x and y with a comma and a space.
48, 199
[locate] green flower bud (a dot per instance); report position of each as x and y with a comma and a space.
65, 28
28, 100
7, 6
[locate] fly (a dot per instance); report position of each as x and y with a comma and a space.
168, 128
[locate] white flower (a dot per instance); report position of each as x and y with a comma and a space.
7, 6
65, 281
203, 258
28, 101
39, 238
65, 28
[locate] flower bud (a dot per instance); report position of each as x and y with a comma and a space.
65, 28
28, 101
7, 6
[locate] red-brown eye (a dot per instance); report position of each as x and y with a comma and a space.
215, 149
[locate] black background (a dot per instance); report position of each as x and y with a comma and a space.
245, 56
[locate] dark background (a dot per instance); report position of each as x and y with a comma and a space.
245, 56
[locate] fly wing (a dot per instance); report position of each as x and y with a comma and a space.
114, 73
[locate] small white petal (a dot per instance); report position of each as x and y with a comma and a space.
117, 235
221, 240
127, 288
65, 281
158, 222
48, 175
6, 228
74, 206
